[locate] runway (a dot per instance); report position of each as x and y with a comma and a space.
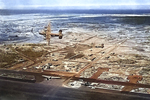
52, 90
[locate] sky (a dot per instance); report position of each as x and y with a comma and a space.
75, 4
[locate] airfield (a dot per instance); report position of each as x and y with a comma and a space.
77, 62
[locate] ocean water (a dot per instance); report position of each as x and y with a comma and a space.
16, 25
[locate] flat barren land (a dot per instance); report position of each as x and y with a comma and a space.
75, 56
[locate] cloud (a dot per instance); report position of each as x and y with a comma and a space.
70, 3
2, 5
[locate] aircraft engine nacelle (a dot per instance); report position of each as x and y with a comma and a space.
60, 34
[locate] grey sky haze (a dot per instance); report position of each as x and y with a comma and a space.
75, 4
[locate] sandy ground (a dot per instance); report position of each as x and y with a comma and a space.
74, 52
